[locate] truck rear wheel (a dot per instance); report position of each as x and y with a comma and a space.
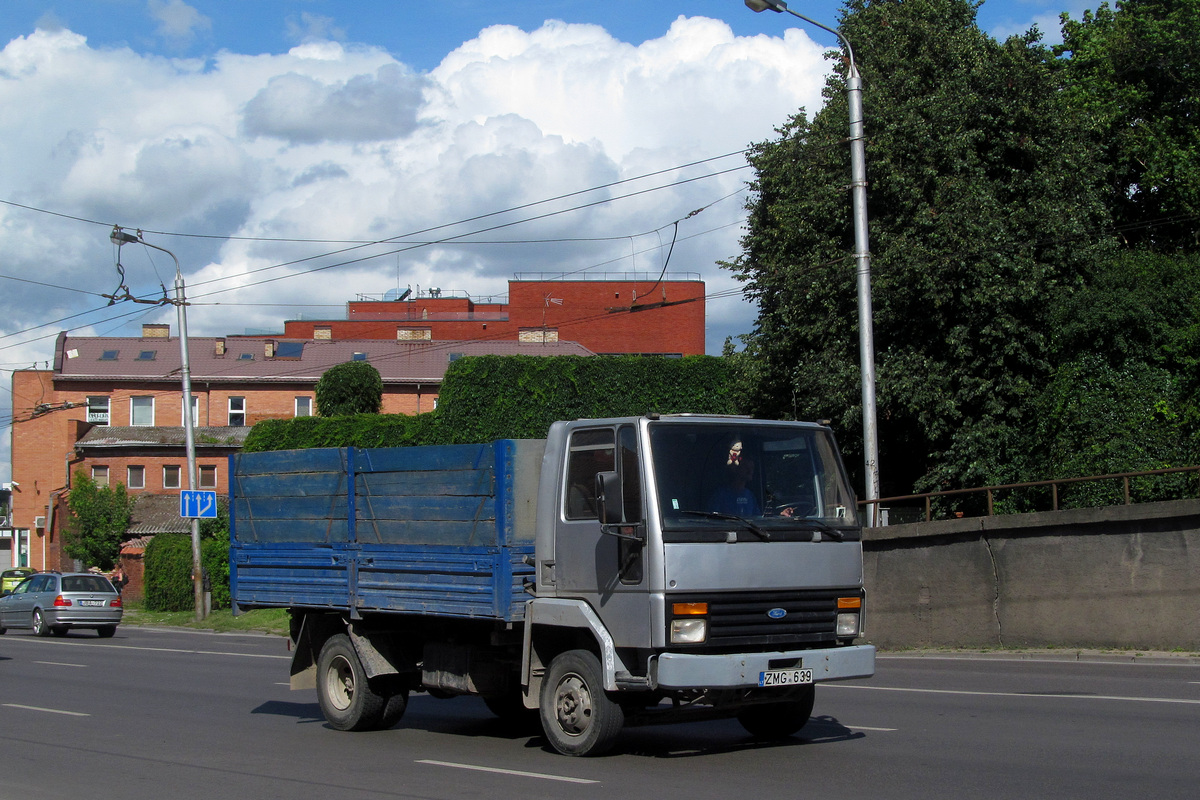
779, 720
578, 717
346, 698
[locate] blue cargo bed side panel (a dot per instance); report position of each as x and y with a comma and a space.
476, 582
426, 530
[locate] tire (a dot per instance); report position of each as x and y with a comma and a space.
39, 623
345, 696
778, 720
59, 630
3, 631
578, 717
106, 632
393, 709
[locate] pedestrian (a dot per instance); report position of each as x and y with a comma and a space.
118, 578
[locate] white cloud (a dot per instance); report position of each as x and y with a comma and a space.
177, 21
312, 27
340, 142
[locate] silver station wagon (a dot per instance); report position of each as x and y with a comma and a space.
52, 603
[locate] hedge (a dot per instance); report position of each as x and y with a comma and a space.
168, 571
484, 398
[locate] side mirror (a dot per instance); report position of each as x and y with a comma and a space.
608, 498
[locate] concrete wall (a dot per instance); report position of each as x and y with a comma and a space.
1127, 576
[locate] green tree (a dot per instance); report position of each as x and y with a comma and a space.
1134, 74
99, 519
354, 387
983, 198
1124, 396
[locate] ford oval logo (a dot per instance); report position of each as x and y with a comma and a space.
777, 613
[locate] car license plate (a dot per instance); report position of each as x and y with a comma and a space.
784, 677
91, 602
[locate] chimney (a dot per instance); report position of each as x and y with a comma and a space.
156, 331
269, 348
219, 347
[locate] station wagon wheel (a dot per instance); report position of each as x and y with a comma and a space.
106, 631
39, 623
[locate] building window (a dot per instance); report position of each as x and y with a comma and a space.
100, 475
237, 411
195, 412
135, 477
304, 407
171, 476
141, 411
289, 350
208, 477
97, 410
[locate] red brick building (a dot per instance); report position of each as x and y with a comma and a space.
112, 406
606, 316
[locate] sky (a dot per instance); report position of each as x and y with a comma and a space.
298, 155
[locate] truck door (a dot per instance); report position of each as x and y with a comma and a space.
606, 571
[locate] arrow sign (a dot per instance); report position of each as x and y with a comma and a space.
198, 503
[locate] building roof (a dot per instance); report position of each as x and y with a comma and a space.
148, 436
157, 513
149, 359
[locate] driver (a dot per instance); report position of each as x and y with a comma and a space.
734, 496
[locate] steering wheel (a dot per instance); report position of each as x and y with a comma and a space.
798, 508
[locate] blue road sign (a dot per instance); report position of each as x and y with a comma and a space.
198, 503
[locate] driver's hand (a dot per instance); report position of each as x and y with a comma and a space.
787, 512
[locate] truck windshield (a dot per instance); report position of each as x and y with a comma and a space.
753, 481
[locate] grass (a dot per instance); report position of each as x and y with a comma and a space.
269, 620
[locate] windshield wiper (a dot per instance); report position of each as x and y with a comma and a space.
757, 531
823, 527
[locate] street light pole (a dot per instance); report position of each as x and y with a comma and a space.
120, 237
862, 254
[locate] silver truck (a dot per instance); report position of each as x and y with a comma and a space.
621, 571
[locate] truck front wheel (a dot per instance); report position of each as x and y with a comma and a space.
346, 699
578, 717
778, 720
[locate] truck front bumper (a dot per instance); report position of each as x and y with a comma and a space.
741, 670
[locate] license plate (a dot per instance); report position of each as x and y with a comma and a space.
91, 602
784, 677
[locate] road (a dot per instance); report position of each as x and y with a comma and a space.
169, 714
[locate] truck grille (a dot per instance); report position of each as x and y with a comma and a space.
741, 619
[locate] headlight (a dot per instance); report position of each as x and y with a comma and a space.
847, 624
688, 631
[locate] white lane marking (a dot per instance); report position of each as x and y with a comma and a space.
47, 710
865, 728
1026, 695
59, 664
92, 645
830, 724
519, 773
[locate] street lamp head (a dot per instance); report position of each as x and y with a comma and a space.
120, 237
778, 6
